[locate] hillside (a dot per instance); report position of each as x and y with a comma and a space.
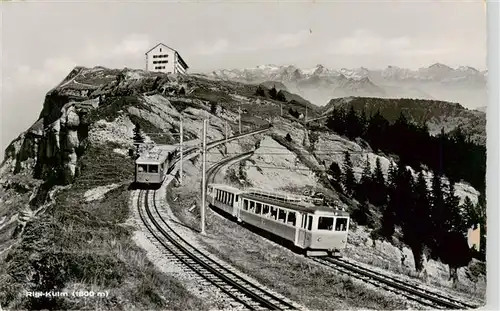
436, 114
64, 186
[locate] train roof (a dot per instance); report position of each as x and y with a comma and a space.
293, 206
226, 188
156, 155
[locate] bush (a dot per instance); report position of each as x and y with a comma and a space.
281, 96
260, 91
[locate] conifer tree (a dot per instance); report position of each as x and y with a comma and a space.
471, 216
260, 91
352, 124
363, 123
281, 96
392, 175
273, 92
348, 176
365, 183
335, 171
379, 188
453, 215
422, 222
138, 138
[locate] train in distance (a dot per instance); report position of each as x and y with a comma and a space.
151, 168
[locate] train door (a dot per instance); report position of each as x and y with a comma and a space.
300, 230
236, 204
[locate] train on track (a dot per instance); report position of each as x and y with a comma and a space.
151, 168
154, 165
315, 230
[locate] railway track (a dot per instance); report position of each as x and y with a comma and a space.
215, 143
212, 171
250, 295
242, 291
420, 295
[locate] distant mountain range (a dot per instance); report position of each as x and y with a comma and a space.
464, 85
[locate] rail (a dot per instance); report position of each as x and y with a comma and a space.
216, 143
251, 295
420, 295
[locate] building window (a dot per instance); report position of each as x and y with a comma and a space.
160, 49
160, 56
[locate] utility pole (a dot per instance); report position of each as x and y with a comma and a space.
226, 136
239, 117
181, 148
305, 128
203, 181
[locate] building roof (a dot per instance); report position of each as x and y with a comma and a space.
178, 54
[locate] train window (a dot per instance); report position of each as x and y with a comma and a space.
310, 223
274, 212
252, 206
325, 223
245, 204
265, 210
258, 209
341, 224
291, 218
153, 168
231, 197
282, 215
236, 198
142, 168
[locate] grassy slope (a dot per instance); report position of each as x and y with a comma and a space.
88, 246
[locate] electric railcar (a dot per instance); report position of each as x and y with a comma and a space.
152, 166
317, 230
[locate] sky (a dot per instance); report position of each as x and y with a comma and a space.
41, 42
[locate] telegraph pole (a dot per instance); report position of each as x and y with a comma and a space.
181, 147
226, 136
305, 128
203, 181
239, 117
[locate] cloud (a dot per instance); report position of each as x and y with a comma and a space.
54, 69
217, 47
132, 44
364, 42
51, 72
269, 41
278, 41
